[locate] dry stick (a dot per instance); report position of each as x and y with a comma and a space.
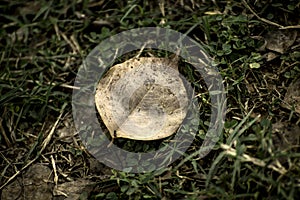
268, 21
44, 144
231, 151
3, 131
47, 83
54, 169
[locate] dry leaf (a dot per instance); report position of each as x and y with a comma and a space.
292, 97
271, 56
34, 185
67, 131
285, 135
72, 190
281, 40
142, 99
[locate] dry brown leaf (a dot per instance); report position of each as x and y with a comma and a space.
72, 190
285, 135
66, 132
34, 185
281, 40
292, 97
142, 99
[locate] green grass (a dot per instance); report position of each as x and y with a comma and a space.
42, 46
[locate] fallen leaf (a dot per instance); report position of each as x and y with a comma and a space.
271, 56
34, 185
280, 40
73, 190
67, 131
142, 99
292, 97
285, 135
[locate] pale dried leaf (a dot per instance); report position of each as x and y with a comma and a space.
142, 98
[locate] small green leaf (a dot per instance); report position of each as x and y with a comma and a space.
254, 65
124, 188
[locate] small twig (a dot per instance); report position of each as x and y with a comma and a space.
268, 21
69, 42
291, 27
3, 131
54, 170
48, 83
142, 49
40, 58
44, 145
246, 158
